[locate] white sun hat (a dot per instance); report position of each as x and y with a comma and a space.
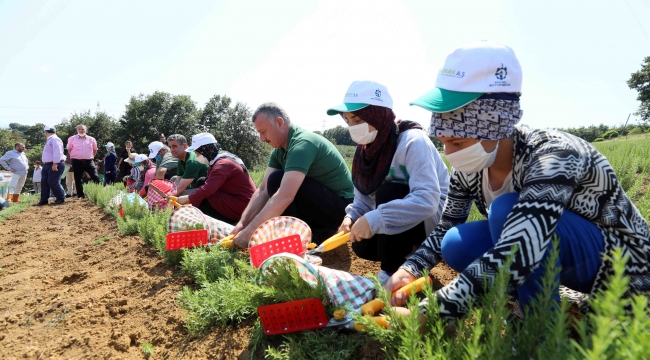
361, 94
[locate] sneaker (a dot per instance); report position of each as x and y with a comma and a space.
39, 204
58, 202
383, 277
68, 196
79, 198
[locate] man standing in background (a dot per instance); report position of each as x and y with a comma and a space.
52, 168
82, 150
16, 161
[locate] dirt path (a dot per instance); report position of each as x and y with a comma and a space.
72, 287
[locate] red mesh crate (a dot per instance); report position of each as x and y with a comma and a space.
292, 316
186, 239
289, 244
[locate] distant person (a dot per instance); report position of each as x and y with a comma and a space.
36, 177
188, 170
137, 173
53, 166
82, 150
122, 164
147, 173
110, 166
3, 202
530, 185
68, 175
306, 178
16, 161
166, 164
227, 189
162, 139
400, 181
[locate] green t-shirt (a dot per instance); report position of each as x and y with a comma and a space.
168, 162
317, 158
191, 169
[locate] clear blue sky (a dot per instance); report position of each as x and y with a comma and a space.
60, 57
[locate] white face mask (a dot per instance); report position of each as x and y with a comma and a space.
202, 159
82, 135
361, 134
141, 167
472, 159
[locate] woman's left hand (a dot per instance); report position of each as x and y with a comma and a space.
185, 199
360, 230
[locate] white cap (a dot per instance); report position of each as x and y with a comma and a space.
471, 71
48, 128
361, 94
131, 158
154, 147
109, 144
201, 139
139, 158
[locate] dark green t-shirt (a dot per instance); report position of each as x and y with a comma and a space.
317, 158
191, 169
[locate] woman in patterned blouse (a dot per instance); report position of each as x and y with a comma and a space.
530, 185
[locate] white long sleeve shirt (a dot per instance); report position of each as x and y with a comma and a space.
14, 160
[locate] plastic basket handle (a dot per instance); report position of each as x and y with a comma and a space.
374, 306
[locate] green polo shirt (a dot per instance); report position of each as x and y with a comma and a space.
191, 169
317, 158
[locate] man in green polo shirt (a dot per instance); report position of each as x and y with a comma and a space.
306, 178
189, 169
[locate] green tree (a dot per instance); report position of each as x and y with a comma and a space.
234, 130
146, 117
339, 135
640, 81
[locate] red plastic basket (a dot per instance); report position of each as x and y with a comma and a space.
292, 316
186, 239
289, 244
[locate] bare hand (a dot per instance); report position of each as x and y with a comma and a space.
242, 239
239, 227
185, 199
360, 230
399, 279
345, 225
55, 167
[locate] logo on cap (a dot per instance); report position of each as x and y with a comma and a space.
378, 93
501, 73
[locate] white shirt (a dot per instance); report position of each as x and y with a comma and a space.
489, 194
14, 160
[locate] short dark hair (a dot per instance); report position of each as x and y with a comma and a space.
177, 137
37, 162
16, 144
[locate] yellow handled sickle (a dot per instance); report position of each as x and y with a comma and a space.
374, 306
331, 243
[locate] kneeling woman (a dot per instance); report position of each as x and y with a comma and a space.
226, 191
400, 181
535, 183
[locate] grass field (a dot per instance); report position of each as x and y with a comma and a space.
225, 296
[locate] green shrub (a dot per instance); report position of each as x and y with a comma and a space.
208, 264
610, 134
635, 131
598, 139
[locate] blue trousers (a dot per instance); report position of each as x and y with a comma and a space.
51, 180
581, 245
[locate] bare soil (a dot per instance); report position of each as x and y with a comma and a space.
72, 287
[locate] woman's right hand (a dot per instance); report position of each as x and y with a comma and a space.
345, 225
399, 279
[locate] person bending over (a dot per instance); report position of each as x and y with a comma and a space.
227, 189
400, 181
530, 185
306, 178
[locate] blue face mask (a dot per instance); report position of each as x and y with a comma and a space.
158, 158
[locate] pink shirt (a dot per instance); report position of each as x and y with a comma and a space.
53, 150
82, 148
148, 176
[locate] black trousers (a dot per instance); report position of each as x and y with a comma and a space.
317, 205
80, 166
390, 250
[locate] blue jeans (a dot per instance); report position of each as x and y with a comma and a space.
581, 245
51, 180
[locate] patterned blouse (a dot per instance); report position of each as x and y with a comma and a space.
552, 170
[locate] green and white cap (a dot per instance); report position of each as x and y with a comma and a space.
471, 71
361, 94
